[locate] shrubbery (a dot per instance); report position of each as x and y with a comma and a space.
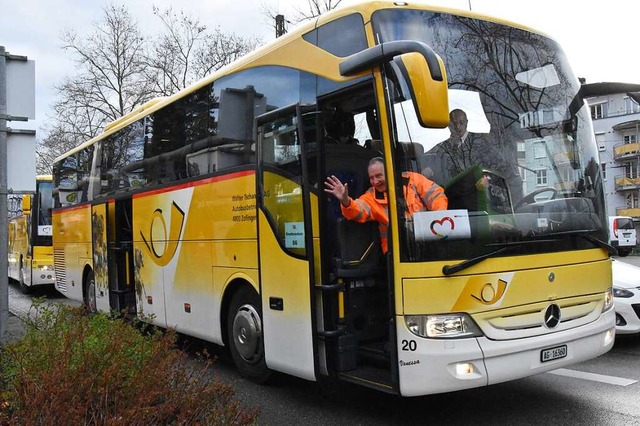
71, 368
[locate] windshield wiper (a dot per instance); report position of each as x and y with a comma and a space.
586, 234
452, 269
583, 233
598, 242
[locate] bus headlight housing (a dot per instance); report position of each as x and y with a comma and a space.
608, 300
445, 326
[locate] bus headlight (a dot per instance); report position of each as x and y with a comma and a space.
608, 300
446, 326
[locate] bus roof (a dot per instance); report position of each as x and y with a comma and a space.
270, 53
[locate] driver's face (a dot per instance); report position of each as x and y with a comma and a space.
377, 177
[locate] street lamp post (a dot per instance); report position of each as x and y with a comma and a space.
4, 279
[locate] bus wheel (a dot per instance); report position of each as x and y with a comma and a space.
24, 288
244, 331
90, 293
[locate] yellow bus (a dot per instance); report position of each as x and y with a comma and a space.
206, 211
29, 236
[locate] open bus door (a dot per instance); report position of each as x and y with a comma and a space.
112, 238
287, 226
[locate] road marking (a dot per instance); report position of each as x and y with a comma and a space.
618, 381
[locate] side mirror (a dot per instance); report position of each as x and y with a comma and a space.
423, 70
430, 97
26, 204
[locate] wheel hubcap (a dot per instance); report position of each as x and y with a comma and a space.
247, 333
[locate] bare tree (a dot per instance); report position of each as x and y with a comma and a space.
172, 53
117, 69
186, 51
312, 9
110, 80
57, 141
220, 49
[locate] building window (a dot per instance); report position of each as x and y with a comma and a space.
599, 110
567, 175
631, 106
630, 138
604, 170
632, 200
521, 150
538, 150
541, 177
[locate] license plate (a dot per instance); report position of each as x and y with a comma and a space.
553, 353
627, 235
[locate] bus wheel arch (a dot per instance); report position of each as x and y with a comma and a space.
242, 330
89, 290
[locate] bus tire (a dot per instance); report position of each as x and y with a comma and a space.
90, 293
24, 288
245, 335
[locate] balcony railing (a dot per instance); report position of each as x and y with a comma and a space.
634, 212
625, 183
626, 150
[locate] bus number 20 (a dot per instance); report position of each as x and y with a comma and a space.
409, 345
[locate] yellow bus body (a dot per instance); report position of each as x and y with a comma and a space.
193, 246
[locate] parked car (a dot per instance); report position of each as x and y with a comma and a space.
626, 294
622, 234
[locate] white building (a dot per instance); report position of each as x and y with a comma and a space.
616, 122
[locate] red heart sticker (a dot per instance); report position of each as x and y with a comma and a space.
442, 229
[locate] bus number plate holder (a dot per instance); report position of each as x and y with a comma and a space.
553, 353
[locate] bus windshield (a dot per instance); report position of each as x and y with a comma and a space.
44, 206
518, 161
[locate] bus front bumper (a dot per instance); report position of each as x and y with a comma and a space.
42, 276
436, 365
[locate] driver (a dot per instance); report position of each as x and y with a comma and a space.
420, 194
463, 150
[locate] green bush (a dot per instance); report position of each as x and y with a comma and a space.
71, 368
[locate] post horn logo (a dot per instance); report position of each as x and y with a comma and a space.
490, 293
162, 244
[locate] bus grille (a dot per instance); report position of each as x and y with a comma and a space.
61, 274
520, 322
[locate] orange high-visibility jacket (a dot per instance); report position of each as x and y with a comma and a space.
420, 194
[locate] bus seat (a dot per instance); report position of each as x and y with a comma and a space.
359, 253
375, 145
412, 150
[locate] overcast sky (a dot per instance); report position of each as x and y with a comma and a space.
598, 37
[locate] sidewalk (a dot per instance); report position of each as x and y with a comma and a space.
15, 329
